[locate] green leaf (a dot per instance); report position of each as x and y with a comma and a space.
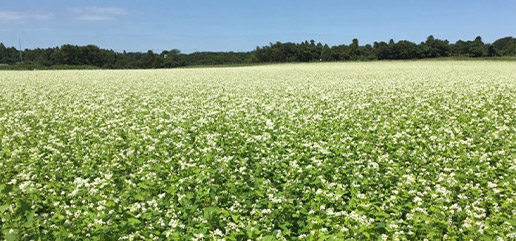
139, 197
511, 221
133, 221
11, 236
4, 207
30, 218
210, 212
6, 189
24, 206
269, 238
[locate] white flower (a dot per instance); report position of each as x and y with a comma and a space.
218, 232
269, 124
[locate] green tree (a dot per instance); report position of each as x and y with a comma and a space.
172, 58
491, 51
353, 50
505, 46
433, 47
3, 54
326, 53
477, 48
150, 60
71, 55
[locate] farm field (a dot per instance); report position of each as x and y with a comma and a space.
407, 150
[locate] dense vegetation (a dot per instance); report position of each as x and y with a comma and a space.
332, 151
91, 55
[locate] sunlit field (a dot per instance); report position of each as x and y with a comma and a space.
324, 151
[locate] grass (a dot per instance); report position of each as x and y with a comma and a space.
66, 67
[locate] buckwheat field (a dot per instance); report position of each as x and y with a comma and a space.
336, 151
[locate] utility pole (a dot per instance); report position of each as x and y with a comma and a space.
21, 57
320, 57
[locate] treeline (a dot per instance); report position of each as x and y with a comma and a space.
91, 55
431, 48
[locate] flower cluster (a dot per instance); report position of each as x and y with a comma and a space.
341, 151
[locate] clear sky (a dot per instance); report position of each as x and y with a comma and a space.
210, 25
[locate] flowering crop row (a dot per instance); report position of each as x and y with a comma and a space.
379, 150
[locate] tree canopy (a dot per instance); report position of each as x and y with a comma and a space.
307, 51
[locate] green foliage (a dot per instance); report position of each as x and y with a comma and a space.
408, 150
505, 46
41, 67
91, 55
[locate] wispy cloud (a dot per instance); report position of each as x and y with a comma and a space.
20, 16
97, 13
42, 16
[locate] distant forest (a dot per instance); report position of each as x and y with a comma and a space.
308, 51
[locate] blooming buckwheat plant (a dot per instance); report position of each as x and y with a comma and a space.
336, 151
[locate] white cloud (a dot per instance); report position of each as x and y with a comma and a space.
43, 16
11, 15
97, 13
20, 16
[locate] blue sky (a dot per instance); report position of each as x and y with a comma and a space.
203, 25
